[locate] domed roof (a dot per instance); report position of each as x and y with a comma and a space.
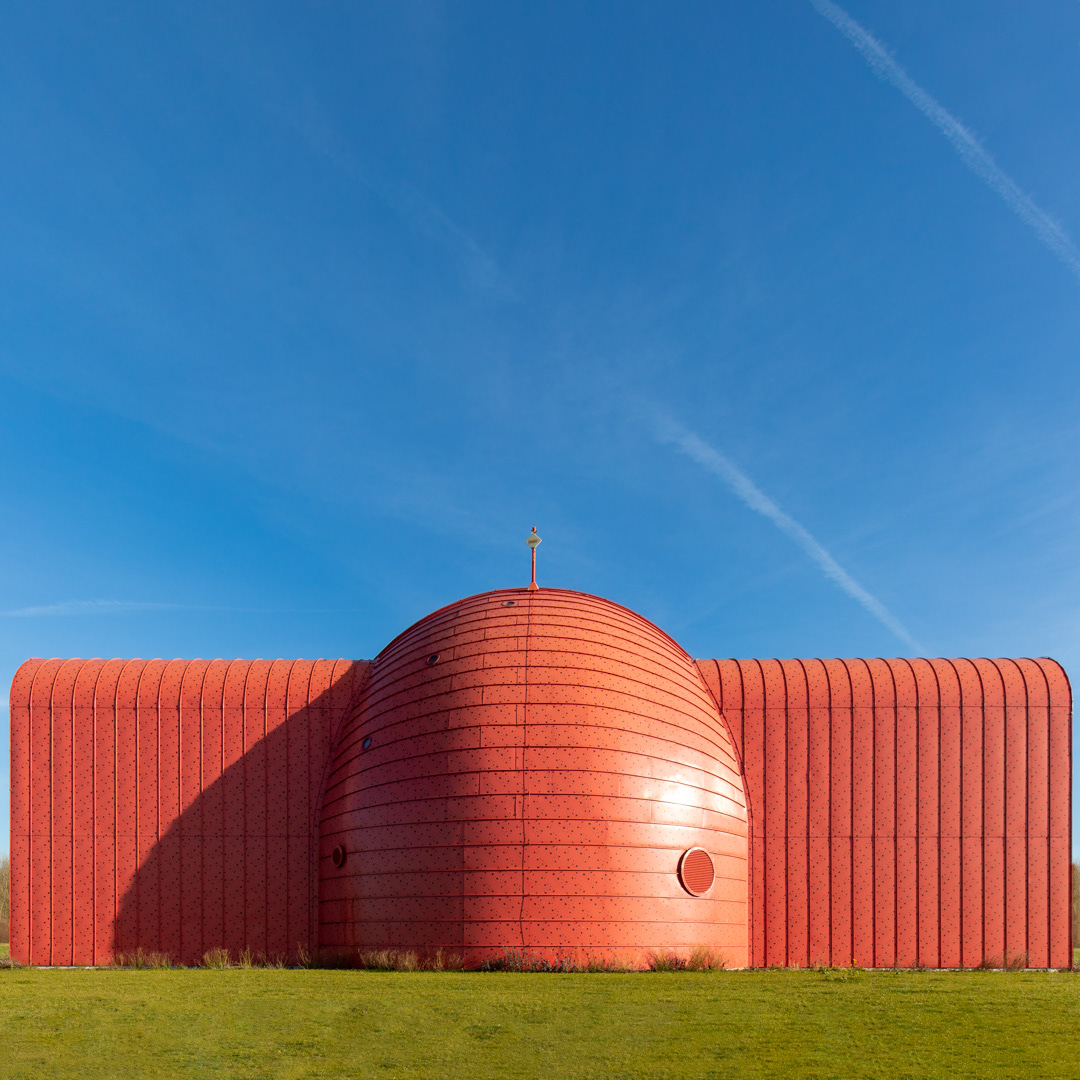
525, 770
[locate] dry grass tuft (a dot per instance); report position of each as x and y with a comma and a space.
142, 958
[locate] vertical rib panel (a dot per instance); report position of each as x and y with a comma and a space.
993, 811
234, 900
798, 832
127, 794
41, 812
884, 845
819, 794
972, 725
169, 848
255, 799
840, 805
213, 805
1038, 813
950, 778
1016, 805
753, 688
191, 825
926, 683
62, 808
277, 821
84, 850
775, 833
21, 782
319, 753
1060, 812
862, 812
300, 811
907, 814
148, 875
106, 900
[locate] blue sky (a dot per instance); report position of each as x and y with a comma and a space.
309, 312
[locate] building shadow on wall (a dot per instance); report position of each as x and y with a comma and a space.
235, 865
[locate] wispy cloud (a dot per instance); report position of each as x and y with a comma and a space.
87, 607
694, 447
963, 140
126, 607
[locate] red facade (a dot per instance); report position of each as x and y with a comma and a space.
904, 812
543, 771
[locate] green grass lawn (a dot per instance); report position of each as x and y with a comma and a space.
265, 1023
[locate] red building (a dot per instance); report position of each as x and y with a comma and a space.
544, 771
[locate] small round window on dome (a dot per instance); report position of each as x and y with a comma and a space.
366, 743
337, 856
696, 871
509, 603
433, 658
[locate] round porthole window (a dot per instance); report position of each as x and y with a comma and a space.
696, 871
366, 743
337, 856
433, 658
509, 603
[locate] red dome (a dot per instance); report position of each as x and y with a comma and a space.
526, 771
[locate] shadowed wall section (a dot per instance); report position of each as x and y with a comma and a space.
904, 812
168, 805
524, 771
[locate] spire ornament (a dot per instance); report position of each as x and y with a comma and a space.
532, 541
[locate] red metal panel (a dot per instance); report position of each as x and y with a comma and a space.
862, 812
1060, 815
21, 807
212, 916
192, 824
907, 814
1038, 813
277, 810
972, 725
753, 682
1016, 805
301, 854
884, 829
255, 803
797, 883
234, 831
993, 810
62, 808
819, 795
105, 831
929, 757
169, 847
127, 794
774, 832
840, 805
949, 812
83, 856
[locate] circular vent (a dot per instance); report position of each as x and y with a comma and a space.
338, 856
696, 871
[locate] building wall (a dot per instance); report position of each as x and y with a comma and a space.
904, 812
536, 765
168, 805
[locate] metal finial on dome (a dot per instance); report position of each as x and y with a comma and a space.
532, 541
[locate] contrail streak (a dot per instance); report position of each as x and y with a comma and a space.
964, 142
695, 448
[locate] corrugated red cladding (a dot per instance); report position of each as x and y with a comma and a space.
904, 812
529, 770
168, 805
